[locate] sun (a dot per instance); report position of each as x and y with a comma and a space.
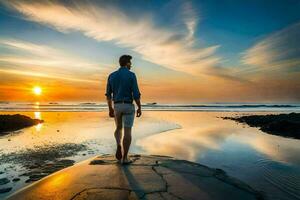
37, 90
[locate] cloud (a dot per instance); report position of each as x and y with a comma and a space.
43, 75
153, 43
38, 60
191, 18
279, 51
42, 55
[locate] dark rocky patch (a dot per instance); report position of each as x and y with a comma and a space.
43, 160
15, 122
34, 158
4, 181
4, 190
16, 179
287, 125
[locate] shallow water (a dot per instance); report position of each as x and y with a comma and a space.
266, 162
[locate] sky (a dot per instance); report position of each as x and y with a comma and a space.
183, 51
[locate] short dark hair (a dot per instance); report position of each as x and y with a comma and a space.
123, 60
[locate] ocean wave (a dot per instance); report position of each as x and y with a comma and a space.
92, 106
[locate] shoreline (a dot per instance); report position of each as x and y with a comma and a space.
100, 106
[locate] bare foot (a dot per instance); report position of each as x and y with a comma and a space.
126, 161
119, 152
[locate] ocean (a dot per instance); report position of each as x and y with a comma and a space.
194, 132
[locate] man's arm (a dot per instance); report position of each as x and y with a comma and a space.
111, 110
137, 96
108, 98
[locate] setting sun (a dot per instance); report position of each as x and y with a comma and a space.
37, 90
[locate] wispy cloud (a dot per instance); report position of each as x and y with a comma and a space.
153, 43
42, 55
278, 52
38, 60
191, 18
44, 75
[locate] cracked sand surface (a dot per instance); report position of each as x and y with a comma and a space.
148, 177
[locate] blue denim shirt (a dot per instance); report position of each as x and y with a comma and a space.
123, 85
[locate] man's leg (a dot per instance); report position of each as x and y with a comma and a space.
128, 123
126, 142
118, 134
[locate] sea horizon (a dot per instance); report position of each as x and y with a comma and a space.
94, 106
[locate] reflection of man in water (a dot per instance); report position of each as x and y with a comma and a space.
122, 88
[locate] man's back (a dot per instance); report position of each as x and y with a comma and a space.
123, 85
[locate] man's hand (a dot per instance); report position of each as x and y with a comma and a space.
138, 112
111, 112
110, 107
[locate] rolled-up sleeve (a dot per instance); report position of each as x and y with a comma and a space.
108, 89
135, 88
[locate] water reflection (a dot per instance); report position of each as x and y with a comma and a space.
267, 162
37, 115
186, 143
36, 105
202, 132
38, 127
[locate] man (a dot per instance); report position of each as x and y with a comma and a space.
122, 88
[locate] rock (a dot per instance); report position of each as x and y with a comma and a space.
16, 179
31, 173
65, 162
145, 160
154, 196
97, 162
90, 152
4, 181
287, 125
182, 166
33, 167
40, 171
148, 177
112, 194
16, 122
34, 178
168, 196
1, 172
4, 190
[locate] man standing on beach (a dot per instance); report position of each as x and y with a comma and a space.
121, 89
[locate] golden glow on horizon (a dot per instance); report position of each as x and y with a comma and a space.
37, 90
